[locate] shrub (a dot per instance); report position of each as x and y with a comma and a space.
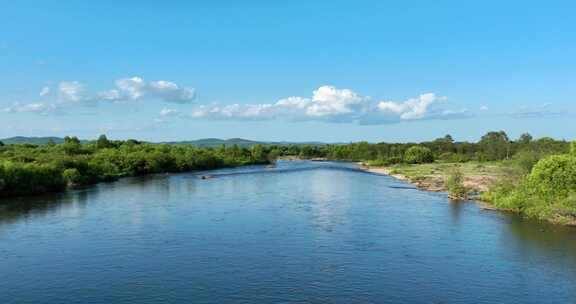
455, 184
418, 155
554, 176
525, 160
385, 161
19, 178
72, 176
450, 157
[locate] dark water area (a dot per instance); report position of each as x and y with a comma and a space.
303, 232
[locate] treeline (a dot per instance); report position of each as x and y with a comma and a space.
493, 146
30, 169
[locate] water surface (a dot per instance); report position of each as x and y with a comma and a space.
304, 232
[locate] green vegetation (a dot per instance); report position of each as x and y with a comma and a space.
30, 169
547, 192
455, 185
418, 155
494, 146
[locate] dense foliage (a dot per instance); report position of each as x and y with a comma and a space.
418, 155
29, 169
547, 192
455, 184
494, 146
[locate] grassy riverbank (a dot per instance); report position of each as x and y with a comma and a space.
547, 192
27, 169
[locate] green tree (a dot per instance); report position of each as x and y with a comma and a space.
418, 155
455, 184
495, 145
102, 142
72, 176
554, 176
258, 154
71, 145
71, 140
525, 139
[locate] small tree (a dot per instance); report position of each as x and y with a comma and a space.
102, 142
258, 154
573, 148
455, 184
418, 155
71, 145
72, 176
1, 144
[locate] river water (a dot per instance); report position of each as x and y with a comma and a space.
304, 232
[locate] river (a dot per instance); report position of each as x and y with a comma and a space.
303, 232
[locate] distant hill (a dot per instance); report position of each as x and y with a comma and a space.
216, 142
203, 143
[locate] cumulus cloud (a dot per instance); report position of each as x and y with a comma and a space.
71, 93
414, 108
126, 89
136, 88
74, 92
331, 104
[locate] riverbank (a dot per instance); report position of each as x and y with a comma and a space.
478, 177
34, 169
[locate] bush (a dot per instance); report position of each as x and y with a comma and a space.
18, 178
554, 176
455, 184
525, 160
72, 176
450, 157
418, 155
548, 192
385, 161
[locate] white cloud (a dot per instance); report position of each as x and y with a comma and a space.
166, 112
45, 91
329, 101
136, 88
414, 108
484, 108
71, 91
127, 89
334, 105
39, 108
171, 92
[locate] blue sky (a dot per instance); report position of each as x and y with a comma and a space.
334, 71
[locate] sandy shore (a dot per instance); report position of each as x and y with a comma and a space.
429, 183
436, 182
